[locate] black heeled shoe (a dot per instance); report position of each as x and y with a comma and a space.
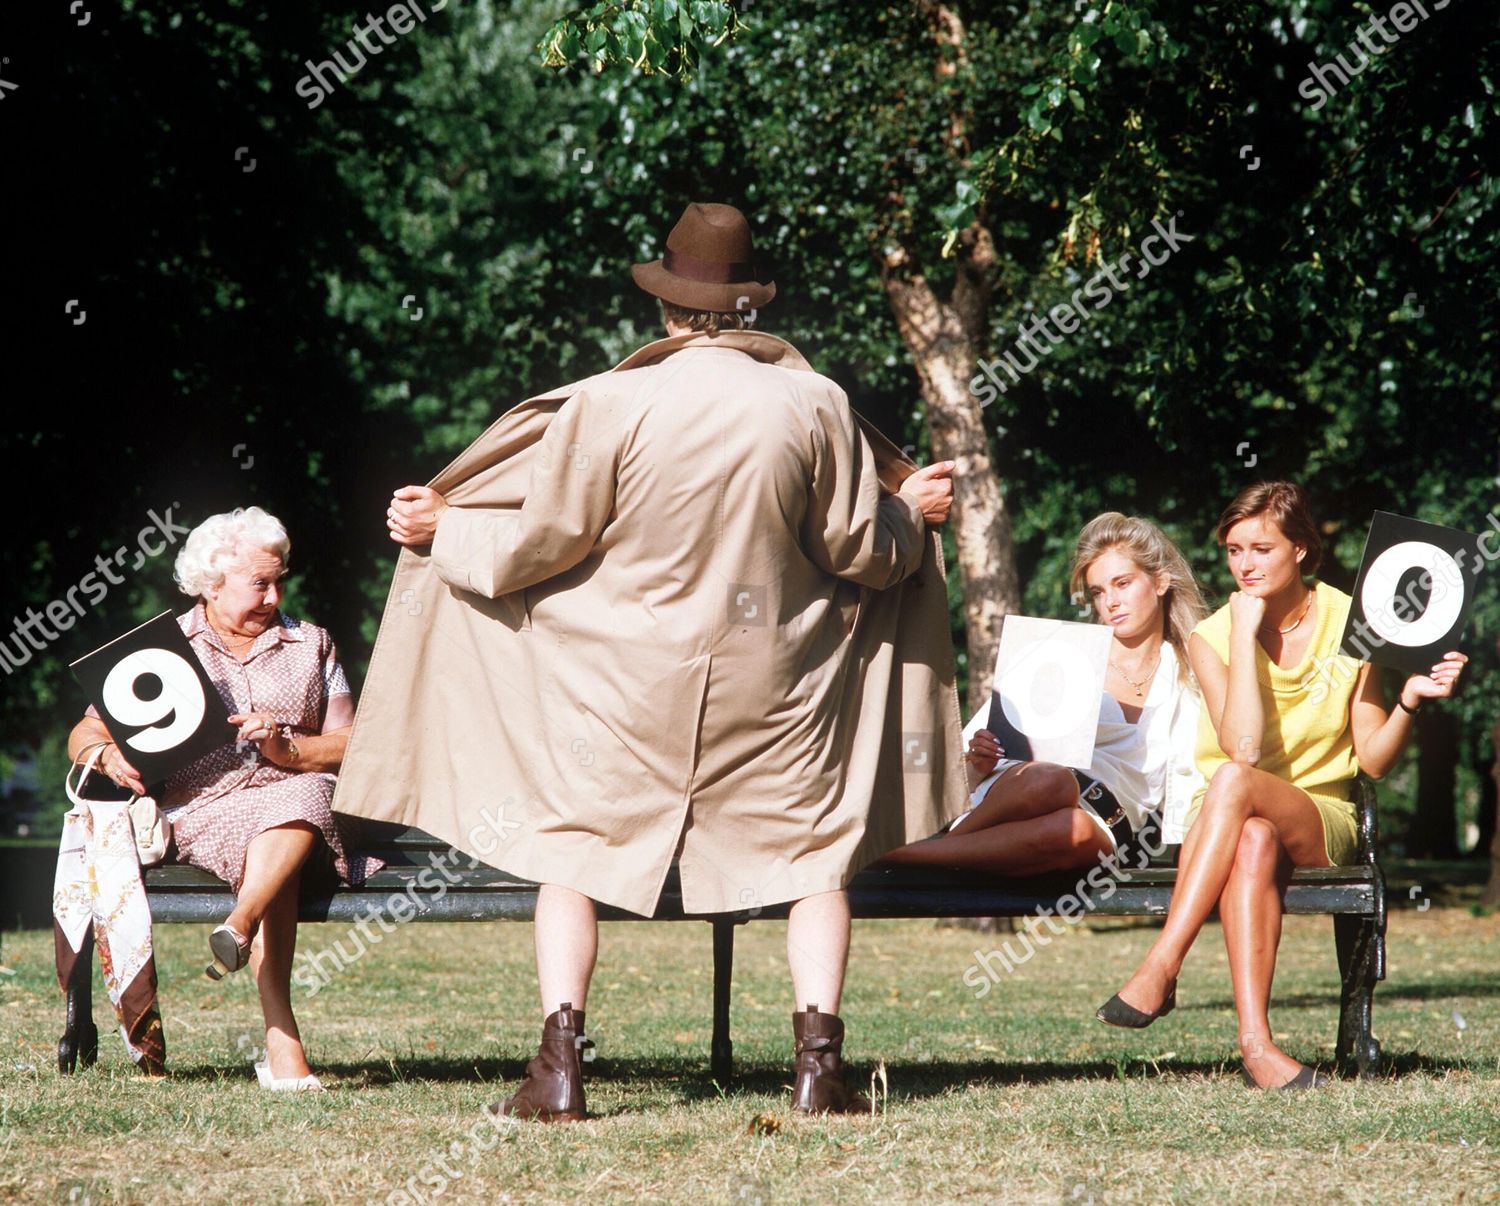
1115, 1012
1306, 1078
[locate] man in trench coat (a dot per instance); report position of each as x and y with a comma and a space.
698, 604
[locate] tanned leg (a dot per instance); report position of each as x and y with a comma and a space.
1029, 823
1251, 910
1236, 793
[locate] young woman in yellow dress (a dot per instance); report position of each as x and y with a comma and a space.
1287, 724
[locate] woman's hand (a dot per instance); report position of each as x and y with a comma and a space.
114, 766
266, 733
1246, 613
984, 751
413, 515
1440, 684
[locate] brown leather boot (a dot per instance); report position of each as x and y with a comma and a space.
553, 1088
820, 1087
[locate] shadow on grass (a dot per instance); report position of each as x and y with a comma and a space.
689, 1080
1429, 990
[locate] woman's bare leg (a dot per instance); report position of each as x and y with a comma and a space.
1250, 909
273, 859
1030, 822
271, 965
1236, 793
1058, 841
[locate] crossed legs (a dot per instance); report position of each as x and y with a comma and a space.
1029, 822
1253, 828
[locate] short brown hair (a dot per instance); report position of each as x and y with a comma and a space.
709, 321
1286, 503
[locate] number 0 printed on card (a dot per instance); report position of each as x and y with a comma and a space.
1049, 686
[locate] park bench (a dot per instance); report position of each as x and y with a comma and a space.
1354, 896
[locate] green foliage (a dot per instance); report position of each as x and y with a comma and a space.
650, 36
1333, 316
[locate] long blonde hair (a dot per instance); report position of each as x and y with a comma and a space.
1147, 545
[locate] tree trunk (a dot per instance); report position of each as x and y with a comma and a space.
1435, 823
1492, 889
945, 339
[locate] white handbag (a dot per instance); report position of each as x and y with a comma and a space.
153, 832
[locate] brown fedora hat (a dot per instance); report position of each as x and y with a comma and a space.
709, 263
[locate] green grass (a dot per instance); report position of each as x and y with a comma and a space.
1020, 1096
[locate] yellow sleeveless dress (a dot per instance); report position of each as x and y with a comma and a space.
1308, 739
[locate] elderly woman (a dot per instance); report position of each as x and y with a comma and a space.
255, 809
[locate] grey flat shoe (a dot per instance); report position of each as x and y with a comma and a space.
1306, 1078
1115, 1012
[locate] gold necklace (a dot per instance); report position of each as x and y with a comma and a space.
1306, 607
225, 637
1131, 681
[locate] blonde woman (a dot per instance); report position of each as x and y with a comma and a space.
1030, 817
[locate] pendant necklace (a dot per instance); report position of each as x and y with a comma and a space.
1131, 681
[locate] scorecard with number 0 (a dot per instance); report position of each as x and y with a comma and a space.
155, 698
1412, 597
1049, 688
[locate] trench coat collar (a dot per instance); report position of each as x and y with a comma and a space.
769, 349
893, 466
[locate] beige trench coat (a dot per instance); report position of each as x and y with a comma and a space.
673, 611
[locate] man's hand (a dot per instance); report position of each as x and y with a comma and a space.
932, 490
413, 515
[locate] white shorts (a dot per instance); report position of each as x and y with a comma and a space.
976, 797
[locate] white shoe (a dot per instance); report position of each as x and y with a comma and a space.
286, 1084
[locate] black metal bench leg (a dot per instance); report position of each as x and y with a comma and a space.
1361, 949
721, 1054
80, 1038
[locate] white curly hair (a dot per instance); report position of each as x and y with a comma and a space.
217, 544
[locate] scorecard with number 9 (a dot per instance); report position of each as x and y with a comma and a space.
155, 698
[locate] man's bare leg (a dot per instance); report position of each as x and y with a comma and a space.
567, 944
